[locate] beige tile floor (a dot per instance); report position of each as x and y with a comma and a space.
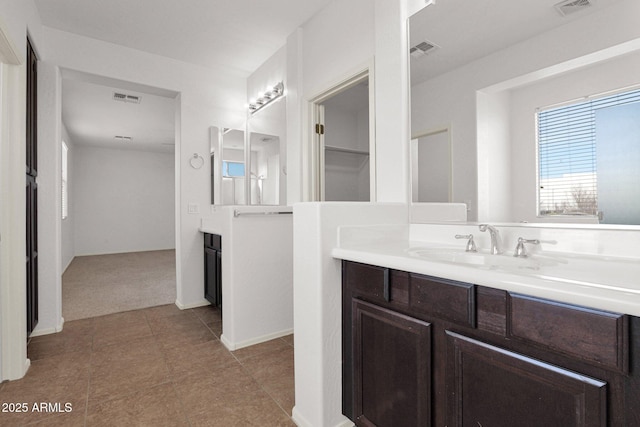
152, 367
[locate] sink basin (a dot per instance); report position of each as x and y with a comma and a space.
481, 259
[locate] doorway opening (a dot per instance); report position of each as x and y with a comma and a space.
119, 232
342, 153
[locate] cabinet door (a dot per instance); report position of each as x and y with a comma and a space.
490, 386
211, 275
219, 278
392, 368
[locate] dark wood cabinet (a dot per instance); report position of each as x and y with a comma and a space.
426, 351
213, 269
392, 367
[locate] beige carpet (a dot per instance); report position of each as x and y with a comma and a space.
104, 284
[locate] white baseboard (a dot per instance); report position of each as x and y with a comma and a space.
231, 346
124, 251
228, 344
192, 305
301, 421
48, 331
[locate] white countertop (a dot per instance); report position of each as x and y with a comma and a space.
602, 282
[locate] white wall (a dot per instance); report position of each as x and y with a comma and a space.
257, 273
68, 233
334, 45
451, 99
350, 33
317, 304
206, 97
124, 200
49, 201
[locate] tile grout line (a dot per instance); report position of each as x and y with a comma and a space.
132, 392
172, 379
244, 368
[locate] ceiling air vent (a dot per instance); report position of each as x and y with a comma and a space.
422, 49
119, 96
568, 7
121, 138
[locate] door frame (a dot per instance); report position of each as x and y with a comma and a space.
313, 153
13, 331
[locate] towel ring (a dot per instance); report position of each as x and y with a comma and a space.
197, 161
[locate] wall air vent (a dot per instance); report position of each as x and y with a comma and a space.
123, 97
422, 49
569, 7
121, 138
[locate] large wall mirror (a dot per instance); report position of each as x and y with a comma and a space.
268, 151
227, 166
251, 162
540, 99
431, 167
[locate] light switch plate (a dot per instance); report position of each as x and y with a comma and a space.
193, 208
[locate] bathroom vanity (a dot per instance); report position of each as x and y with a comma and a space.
422, 350
431, 349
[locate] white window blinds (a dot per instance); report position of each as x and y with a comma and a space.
567, 163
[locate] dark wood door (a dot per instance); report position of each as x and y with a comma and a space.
392, 368
211, 275
32, 191
490, 386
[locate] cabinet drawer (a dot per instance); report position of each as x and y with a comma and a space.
367, 280
446, 299
594, 336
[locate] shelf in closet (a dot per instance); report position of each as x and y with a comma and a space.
346, 150
345, 158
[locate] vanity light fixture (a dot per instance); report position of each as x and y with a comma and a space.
266, 98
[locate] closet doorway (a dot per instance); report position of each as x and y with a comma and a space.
343, 146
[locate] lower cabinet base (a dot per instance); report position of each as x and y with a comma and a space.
497, 360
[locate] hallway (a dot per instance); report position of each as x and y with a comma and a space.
155, 366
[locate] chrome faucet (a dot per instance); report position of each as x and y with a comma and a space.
496, 243
520, 251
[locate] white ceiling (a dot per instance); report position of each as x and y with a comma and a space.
238, 35
93, 118
467, 30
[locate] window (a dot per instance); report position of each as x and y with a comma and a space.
65, 197
232, 169
578, 152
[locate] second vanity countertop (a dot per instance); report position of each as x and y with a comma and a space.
602, 282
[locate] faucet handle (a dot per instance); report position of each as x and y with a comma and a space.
471, 245
520, 251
